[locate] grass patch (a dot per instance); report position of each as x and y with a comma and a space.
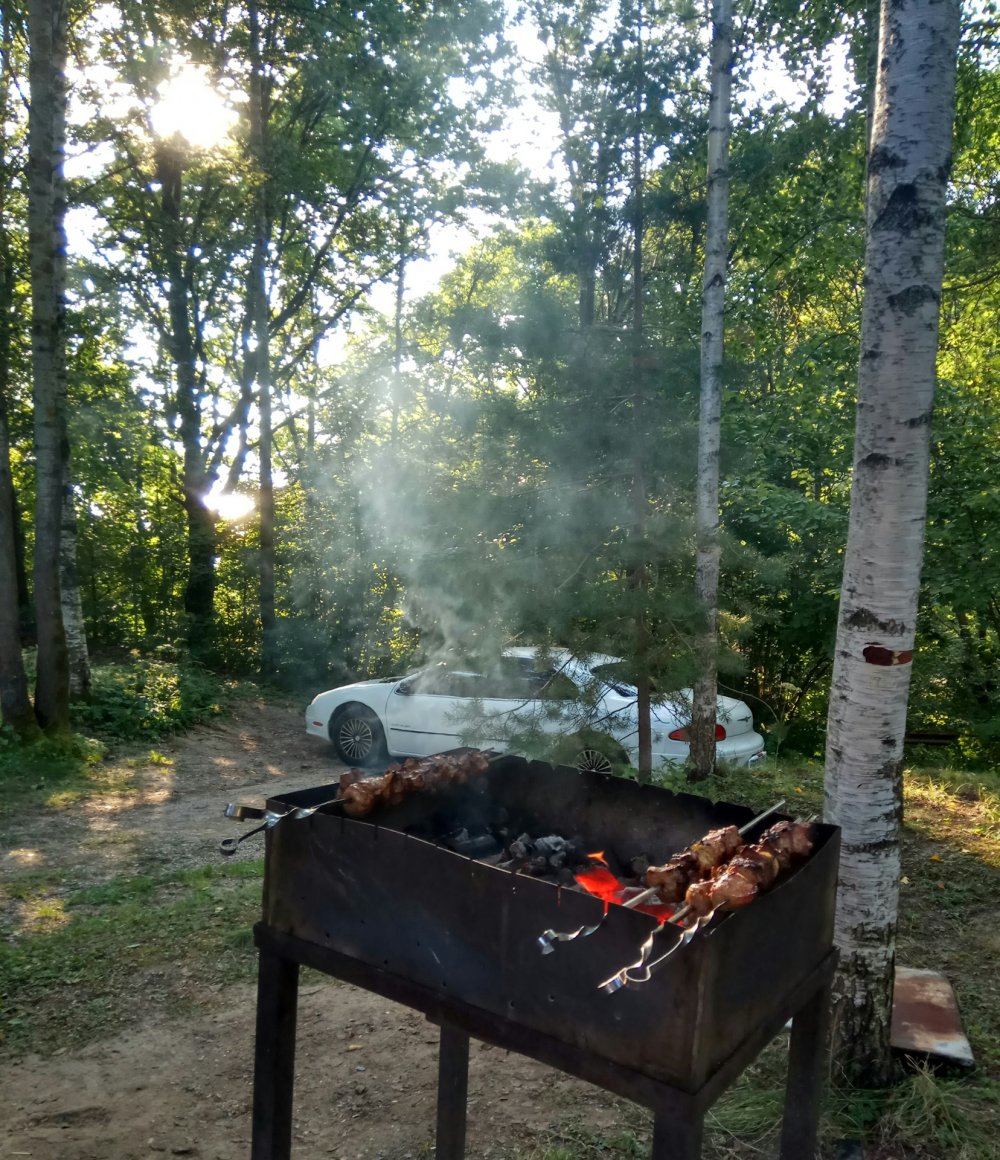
115, 952
799, 782
574, 1141
135, 702
951, 1117
49, 772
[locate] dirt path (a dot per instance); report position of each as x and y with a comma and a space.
366, 1069
167, 813
365, 1088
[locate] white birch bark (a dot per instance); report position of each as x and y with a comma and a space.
72, 602
713, 306
907, 177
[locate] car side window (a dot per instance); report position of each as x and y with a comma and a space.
507, 686
464, 685
439, 682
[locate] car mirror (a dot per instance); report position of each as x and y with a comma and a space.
405, 688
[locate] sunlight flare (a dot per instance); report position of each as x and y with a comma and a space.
230, 505
189, 105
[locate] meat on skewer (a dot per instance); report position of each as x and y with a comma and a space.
789, 841
753, 870
693, 864
361, 795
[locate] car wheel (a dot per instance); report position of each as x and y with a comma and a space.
593, 761
357, 736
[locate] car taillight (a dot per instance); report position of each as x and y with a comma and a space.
684, 735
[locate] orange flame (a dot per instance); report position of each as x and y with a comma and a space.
599, 881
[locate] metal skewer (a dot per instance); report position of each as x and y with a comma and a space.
549, 938
229, 846
642, 965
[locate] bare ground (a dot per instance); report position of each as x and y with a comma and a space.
365, 1068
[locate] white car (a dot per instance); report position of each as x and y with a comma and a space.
446, 705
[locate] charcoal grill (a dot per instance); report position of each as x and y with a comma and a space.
382, 904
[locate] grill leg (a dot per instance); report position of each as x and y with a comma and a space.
453, 1088
274, 1057
806, 1068
676, 1137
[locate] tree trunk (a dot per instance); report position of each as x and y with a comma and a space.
397, 346
260, 322
640, 577
47, 244
72, 604
15, 702
199, 589
713, 305
907, 180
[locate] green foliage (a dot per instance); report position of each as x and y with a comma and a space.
469, 468
146, 699
48, 765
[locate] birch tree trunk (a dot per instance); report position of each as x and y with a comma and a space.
907, 178
713, 305
72, 603
47, 245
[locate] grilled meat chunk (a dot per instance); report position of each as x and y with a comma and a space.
789, 841
673, 878
360, 798
716, 847
361, 795
753, 870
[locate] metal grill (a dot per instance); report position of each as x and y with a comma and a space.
382, 903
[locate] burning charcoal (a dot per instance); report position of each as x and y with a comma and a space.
551, 844
479, 845
521, 847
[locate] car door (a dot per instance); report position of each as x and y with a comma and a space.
517, 698
425, 712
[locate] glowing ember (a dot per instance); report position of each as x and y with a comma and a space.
599, 881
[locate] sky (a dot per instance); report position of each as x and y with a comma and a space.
530, 133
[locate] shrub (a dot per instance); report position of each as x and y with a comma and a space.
146, 699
